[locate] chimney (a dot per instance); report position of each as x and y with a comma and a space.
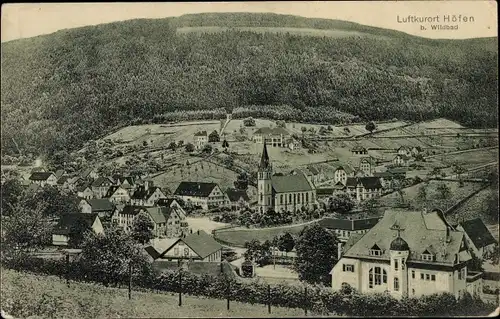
198, 231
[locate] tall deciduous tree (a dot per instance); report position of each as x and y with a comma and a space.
316, 254
142, 228
341, 203
370, 126
11, 191
57, 202
77, 233
214, 137
189, 147
444, 191
286, 242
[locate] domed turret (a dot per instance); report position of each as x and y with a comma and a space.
399, 244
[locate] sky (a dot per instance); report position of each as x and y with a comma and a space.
28, 20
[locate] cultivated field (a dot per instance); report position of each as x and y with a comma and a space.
25, 295
475, 207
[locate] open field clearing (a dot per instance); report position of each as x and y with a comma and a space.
204, 223
470, 159
239, 236
433, 199
48, 296
475, 207
287, 30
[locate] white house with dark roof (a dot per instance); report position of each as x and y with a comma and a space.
408, 253
205, 195
172, 203
147, 195
198, 246
102, 206
367, 165
200, 139
285, 192
61, 232
362, 188
276, 137
84, 191
405, 150
477, 236
359, 150
342, 172
100, 186
43, 178
238, 198
118, 194
401, 160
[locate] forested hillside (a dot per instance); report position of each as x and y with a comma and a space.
63, 89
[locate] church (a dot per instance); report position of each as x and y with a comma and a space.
283, 193
408, 253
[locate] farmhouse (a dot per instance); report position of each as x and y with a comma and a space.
205, 195
89, 173
43, 178
276, 137
405, 150
416, 150
238, 198
362, 188
388, 179
117, 195
341, 174
177, 225
407, 253
367, 165
359, 150
146, 195
200, 139
344, 228
477, 237
84, 191
283, 193
401, 160
103, 207
64, 182
62, 231
198, 246
124, 215
172, 203
100, 186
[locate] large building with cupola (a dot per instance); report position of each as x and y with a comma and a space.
408, 253
283, 192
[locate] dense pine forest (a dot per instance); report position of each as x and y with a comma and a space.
63, 89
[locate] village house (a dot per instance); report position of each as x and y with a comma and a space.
124, 215
404, 150
362, 188
324, 193
103, 207
147, 195
198, 246
359, 150
126, 182
285, 192
118, 195
415, 150
387, 179
100, 186
408, 253
43, 178
62, 231
293, 144
237, 198
478, 238
345, 228
401, 160
89, 173
85, 192
172, 203
200, 139
342, 173
59, 173
64, 182
157, 216
177, 224
367, 165
205, 195
276, 137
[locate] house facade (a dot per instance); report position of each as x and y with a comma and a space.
367, 165
118, 195
405, 150
276, 137
147, 195
401, 160
342, 173
363, 188
85, 192
101, 186
285, 192
407, 254
238, 199
200, 139
43, 178
359, 150
102, 207
205, 195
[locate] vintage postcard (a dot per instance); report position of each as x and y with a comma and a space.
249, 159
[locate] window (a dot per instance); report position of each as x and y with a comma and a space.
375, 252
422, 276
427, 257
290, 198
396, 265
433, 277
377, 275
396, 284
343, 233
427, 277
281, 198
413, 274
348, 268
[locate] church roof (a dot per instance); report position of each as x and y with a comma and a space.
291, 183
417, 232
264, 160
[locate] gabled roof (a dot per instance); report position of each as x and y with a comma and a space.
404, 147
358, 148
291, 183
121, 179
369, 159
167, 202
324, 191
200, 242
351, 182
59, 173
271, 131
370, 182
313, 170
478, 232
100, 181
346, 224
339, 185
152, 252
100, 205
131, 210
142, 193
66, 221
62, 180
111, 191
235, 195
347, 168
195, 189
157, 214
40, 176
202, 133
415, 232
86, 172
82, 188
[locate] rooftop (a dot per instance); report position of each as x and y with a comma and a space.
199, 189
291, 183
478, 233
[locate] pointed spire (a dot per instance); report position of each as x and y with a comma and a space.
264, 160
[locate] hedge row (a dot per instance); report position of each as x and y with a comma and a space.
319, 300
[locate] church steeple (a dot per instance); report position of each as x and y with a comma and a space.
264, 160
